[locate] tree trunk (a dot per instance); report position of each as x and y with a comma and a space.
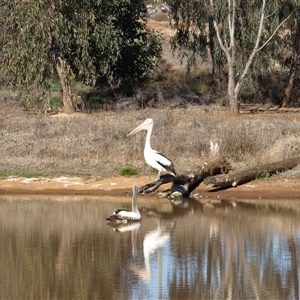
212, 47
287, 91
62, 68
294, 68
232, 95
62, 71
213, 170
240, 177
66, 99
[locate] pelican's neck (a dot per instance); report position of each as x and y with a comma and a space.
134, 241
148, 137
134, 204
147, 264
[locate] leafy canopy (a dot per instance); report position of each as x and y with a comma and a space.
195, 34
98, 39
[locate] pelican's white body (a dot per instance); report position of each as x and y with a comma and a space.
126, 227
152, 157
123, 215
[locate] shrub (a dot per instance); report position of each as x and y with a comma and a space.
128, 171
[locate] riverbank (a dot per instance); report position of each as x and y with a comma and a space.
273, 188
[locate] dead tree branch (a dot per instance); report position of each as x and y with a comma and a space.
185, 182
240, 177
213, 170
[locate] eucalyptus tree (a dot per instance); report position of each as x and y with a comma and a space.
232, 32
86, 40
293, 43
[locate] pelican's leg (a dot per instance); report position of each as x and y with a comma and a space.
158, 176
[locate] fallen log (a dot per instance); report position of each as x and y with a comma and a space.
240, 177
184, 183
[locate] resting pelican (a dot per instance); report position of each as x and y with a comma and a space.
153, 158
123, 215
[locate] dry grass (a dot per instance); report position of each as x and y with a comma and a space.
91, 145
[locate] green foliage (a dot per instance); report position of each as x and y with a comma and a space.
29, 174
264, 176
125, 206
263, 206
197, 40
97, 39
4, 173
247, 93
195, 35
94, 100
26, 174
128, 171
152, 170
55, 101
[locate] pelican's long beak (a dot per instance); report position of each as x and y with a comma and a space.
139, 128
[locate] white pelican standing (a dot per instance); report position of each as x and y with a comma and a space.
153, 158
124, 215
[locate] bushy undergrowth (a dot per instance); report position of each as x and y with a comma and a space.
92, 145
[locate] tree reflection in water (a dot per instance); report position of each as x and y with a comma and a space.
245, 250
218, 249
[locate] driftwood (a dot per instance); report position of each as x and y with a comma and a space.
213, 170
240, 177
186, 182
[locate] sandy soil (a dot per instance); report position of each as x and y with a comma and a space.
119, 186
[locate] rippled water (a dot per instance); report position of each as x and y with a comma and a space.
66, 250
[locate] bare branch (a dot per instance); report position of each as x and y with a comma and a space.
225, 49
256, 48
254, 51
231, 22
277, 28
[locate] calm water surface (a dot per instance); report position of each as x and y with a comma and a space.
66, 250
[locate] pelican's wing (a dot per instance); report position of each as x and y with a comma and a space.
164, 162
117, 211
124, 215
115, 215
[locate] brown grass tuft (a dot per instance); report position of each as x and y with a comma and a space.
285, 147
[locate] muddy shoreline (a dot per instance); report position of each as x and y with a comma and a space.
121, 186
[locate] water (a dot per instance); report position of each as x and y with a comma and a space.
214, 250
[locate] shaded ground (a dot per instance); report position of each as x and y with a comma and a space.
119, 186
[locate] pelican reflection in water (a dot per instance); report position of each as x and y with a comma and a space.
127, 227
153, 240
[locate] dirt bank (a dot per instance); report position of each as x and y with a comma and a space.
119, 186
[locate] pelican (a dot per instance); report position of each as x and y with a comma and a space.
126, 227
153, 158
153, 240
123, 215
